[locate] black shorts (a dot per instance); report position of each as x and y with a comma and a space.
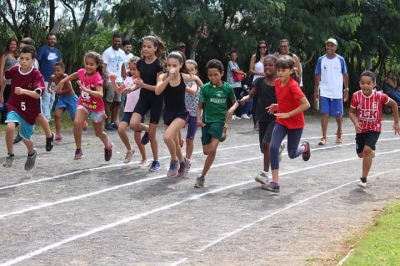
155, 107
369, 138
170, 115
265, 132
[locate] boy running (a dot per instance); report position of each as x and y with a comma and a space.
366, 115
212, 102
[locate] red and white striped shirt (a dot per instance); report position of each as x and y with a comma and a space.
369, 109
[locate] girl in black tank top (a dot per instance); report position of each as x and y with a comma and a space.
173, 86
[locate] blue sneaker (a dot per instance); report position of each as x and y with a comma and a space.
174, 167
145, 138
109, 127
155, 166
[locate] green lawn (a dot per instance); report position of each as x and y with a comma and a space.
381, 244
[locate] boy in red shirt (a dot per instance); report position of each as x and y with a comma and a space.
366, 115
27, 84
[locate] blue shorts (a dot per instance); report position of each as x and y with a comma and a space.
26, 131
333, 107
69, 103
95, 117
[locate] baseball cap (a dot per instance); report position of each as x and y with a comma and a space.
181, 44
332, 41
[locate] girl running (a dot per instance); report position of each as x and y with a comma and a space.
289, 118
173, 86
90, 103
149, 68
131, 100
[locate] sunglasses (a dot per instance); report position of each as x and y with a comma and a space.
262, 47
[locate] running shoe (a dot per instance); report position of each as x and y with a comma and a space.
144, 164
108, 152
128, 156
114, 126
58, 138
307, 153
234, 117
155, 166
31, 160
78, 154
199, 181
322, 141
281, 148
182, 168
9, 161
363, 183
145, 138
17, 139
108, 127
339, 136
84, 126
245, 116
272, 187
173, 169
262, 177
50, 142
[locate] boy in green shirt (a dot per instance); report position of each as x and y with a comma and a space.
212, 114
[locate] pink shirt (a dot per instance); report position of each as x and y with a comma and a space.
369, 110
91, 103
132, 98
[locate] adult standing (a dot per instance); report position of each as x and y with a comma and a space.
47, 56
256, 68
7, 60
389, 86
330, 76
284, 48
233, 69
114, 58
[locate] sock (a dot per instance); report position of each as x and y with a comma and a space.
30, 155
11, 155
363, 179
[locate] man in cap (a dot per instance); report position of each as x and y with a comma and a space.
330, 76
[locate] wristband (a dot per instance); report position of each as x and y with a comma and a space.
347, 90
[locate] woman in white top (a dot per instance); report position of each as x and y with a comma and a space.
257, 69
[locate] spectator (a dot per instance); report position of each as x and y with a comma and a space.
389, 86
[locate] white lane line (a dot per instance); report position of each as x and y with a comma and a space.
285, 209
144, 214
98, 192
126, 164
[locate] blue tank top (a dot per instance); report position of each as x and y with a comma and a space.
174, 97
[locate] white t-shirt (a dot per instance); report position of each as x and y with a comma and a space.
132, 98
127, 58
331, 71
114, 59
259, 68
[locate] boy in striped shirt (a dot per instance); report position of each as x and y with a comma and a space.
366, 115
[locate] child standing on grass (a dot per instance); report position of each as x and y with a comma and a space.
149, 69
366, 115
191, 101
264, 88
90, 102
289, 118
27, 84
132, 98
67, 99
212, 113
173, 87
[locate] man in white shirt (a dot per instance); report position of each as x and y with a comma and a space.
114, 59
330, 76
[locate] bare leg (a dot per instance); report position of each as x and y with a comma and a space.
107, 107
142, 148
324, 124
171, 138
79, 118
115, 112
211, 153
367, 161
189, 148
57, 119
10, 128
29, 146
123, 136
339, 121
45, 124
135, 123
98, 129
153, 140
266, 156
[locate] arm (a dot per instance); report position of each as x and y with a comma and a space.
252, 63
309, 59
71, 77
33, 94
198, 115
188, 78
346, 86
234, 69
231, 111
354, 118
98, 93
317, 79
117, 88
123, 71
251, 94
395, 109
297, 63
391, 83
51, 80
304, 105
143, 85
192, 89
163, 80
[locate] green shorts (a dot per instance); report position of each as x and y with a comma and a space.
211, 130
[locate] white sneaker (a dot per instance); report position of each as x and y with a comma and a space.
234, 117
362, 185
262, 177
144, 164
245, 116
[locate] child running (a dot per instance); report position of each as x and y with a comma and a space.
131, 100
149, 69
265, 90
90, 102
366, 115
173, 87
191, 101
27, 84
67, 99
289, 118
212, 113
